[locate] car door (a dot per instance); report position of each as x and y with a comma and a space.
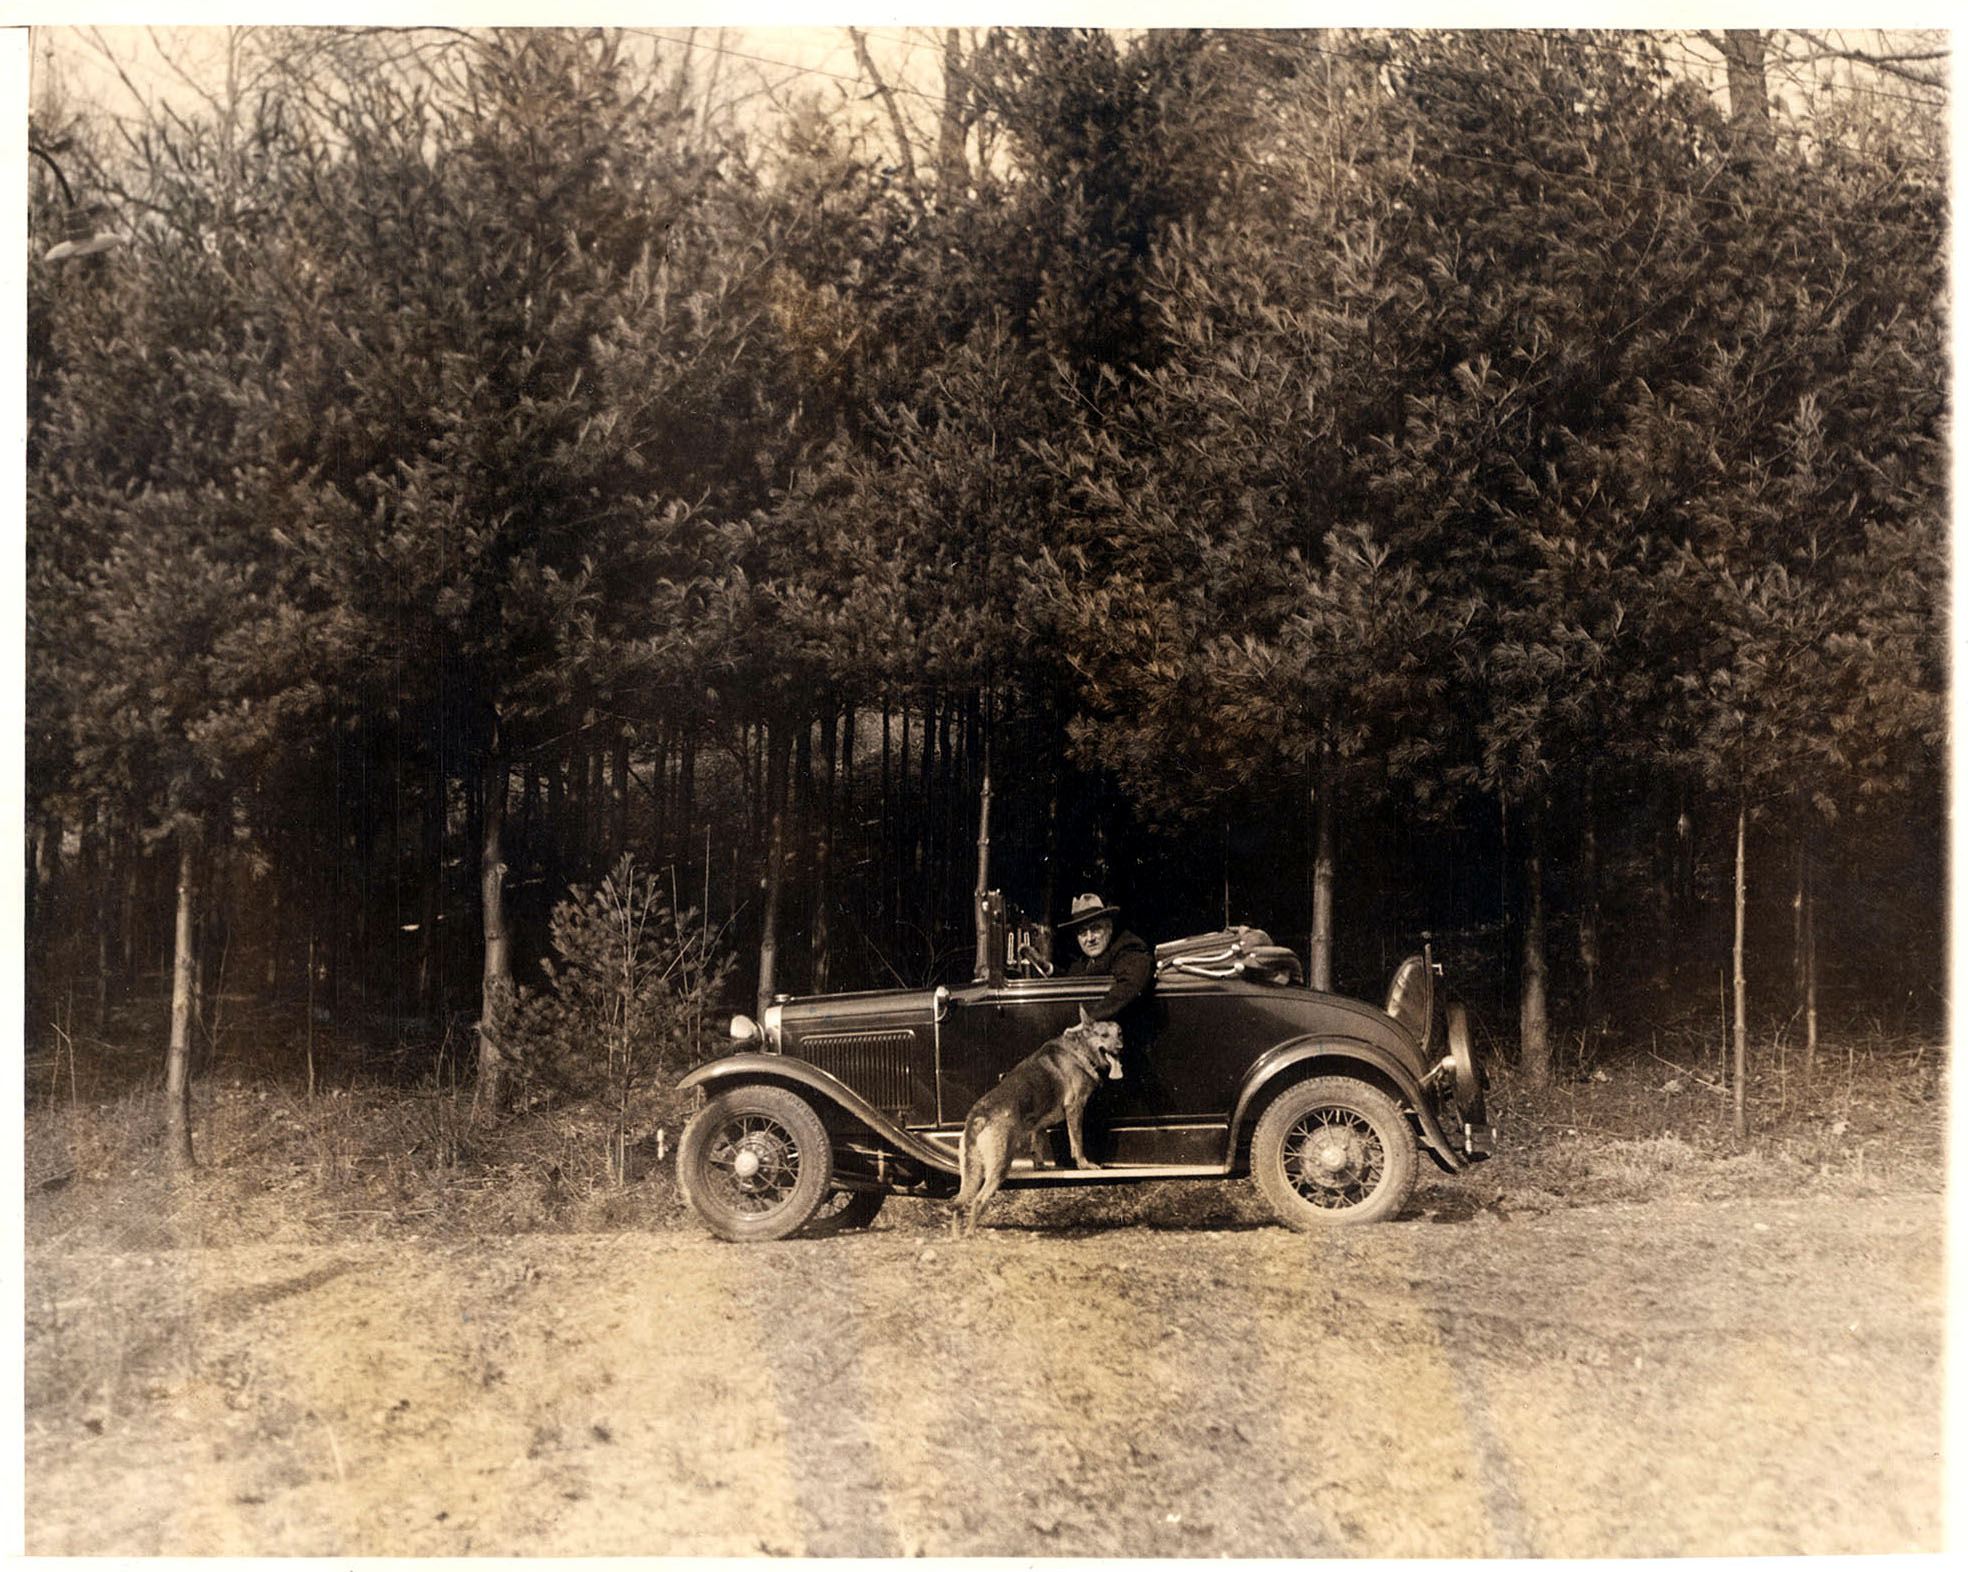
1145, 1117
991, 1027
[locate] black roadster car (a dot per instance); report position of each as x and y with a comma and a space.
834, 1102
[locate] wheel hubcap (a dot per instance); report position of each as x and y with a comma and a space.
753, 1164
1333, 1158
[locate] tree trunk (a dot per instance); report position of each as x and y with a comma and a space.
980, 902
686, 814
1810, 969
886, 822
495, 993
1743, 52
947, 797
1804, 952
594, 845
1325, 792
430, 979
1740, 1022
902, 837
823, 851
132, 892
618, 802
798, 861
926, 799
1049, 882
50, 876
31, 885
97, 859
775, 861
177, 1058
105, 962
1589, 902
904, 153
952, 171
557, 819
1534, 1030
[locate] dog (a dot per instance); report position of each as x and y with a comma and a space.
1035, 1094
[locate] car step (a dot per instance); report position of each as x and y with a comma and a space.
1023, 1172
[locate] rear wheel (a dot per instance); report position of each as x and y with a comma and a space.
755, 1163
1333, 1151
844, 1211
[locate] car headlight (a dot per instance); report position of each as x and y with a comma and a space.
744, 1029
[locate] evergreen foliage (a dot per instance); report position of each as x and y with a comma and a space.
630, 992
1469, 453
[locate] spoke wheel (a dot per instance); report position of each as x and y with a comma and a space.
1468, 1073
844, 1211
755, 1163
1333, 1151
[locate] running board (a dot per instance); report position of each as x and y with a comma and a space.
1024, 1173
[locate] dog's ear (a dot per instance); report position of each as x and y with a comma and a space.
1085, 1019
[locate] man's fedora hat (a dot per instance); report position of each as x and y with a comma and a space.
1086, 909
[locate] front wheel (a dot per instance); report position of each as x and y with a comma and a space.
1333, 1150
755, 1163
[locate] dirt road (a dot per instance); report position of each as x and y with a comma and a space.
1673, 1379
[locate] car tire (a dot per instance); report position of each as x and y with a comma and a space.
844, 1211
1333, 1151
755, 1163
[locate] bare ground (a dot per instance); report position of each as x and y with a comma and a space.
1503, 1371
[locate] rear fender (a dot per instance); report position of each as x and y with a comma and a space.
797, 1075
1341, 1056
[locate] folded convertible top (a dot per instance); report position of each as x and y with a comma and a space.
1230, 952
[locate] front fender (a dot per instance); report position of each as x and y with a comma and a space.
797, 1074
1283, 1059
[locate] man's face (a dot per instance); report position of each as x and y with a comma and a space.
1094, 936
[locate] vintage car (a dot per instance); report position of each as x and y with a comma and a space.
834, 1102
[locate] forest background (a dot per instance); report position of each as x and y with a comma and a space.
1476, 489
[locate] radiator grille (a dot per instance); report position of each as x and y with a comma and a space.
875, 1064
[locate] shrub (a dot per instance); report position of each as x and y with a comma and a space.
627, 995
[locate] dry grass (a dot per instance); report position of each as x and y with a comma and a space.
276, 1166
363, 1158
1868, 1117
311, 1131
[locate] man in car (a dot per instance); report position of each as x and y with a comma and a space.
1108, 950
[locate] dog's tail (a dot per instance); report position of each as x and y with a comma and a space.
965, 1205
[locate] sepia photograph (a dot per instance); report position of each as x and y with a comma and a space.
1036, 792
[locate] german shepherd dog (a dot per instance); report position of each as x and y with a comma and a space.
1035, 1094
